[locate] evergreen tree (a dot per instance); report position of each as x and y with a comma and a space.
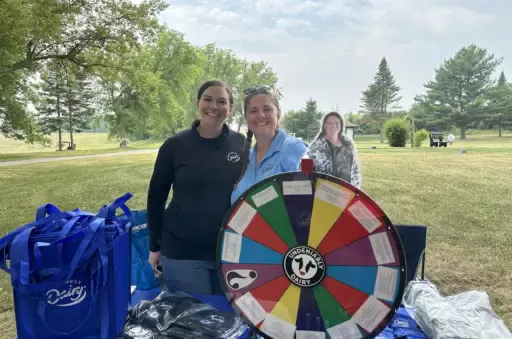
51, 107
498, 110
382, 96
79, 100
309, 117
502, 80
456, 95
304, 122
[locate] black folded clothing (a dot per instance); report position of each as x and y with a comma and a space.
180, 316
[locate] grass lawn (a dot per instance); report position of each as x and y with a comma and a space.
87, 143
463, 198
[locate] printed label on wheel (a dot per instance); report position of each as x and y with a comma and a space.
311, 256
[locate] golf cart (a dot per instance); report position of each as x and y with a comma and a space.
436, 139
71, 147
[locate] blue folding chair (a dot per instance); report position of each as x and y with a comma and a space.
414, 241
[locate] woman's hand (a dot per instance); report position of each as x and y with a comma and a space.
155, 260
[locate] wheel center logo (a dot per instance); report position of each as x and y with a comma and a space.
304, 266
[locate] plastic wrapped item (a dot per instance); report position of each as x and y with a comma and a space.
463, 316
180, 316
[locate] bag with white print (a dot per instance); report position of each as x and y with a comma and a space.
70, 272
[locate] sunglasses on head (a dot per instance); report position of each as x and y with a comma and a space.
252, 89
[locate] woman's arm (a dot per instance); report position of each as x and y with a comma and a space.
355, 173
158, 193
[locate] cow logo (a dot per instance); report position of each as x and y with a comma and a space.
304, 266
72, 293
238, 279
233, 157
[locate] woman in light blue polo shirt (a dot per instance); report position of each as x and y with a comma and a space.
275, 151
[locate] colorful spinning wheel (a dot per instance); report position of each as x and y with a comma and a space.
310, 256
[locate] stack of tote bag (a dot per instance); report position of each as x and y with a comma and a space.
70, 272
143, 277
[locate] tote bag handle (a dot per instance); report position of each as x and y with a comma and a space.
50, 222
109, 212
58, 243
20, 258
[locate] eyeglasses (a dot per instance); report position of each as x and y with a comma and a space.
253, 89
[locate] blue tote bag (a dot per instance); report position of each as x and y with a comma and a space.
143, 276
70, 272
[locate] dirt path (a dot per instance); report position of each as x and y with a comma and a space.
73, 157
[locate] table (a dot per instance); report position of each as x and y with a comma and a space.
221, 303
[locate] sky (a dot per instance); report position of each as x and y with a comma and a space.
329, 50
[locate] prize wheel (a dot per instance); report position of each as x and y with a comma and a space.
310, 256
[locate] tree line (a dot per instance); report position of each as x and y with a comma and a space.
66, 66
88, 62
463, 95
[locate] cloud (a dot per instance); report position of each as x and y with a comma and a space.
330, 49
290, 23
291, 7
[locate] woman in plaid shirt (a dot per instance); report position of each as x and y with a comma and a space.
333, 153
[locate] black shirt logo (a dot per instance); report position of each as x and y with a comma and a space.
233, 157
304, 266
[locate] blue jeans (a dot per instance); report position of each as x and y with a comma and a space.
191, 276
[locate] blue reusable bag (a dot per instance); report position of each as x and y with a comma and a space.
143, 276
70, 272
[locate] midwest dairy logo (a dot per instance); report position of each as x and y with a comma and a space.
73, 293
233, 157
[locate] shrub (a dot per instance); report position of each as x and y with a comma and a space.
397, 132
419, 137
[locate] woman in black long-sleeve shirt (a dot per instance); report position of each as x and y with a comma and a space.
202, 164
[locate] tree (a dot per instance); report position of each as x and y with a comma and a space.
177, 66
456, 95
79, 101
16, 92
291, 122
310, 116
68, 30
66, 101
301, 122
498, 108
397, 132
152, 98
382, 96
52, 104
84, 33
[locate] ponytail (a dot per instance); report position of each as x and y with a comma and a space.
196, 123
246, 157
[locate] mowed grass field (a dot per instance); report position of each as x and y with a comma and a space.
87, 143
465, 199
